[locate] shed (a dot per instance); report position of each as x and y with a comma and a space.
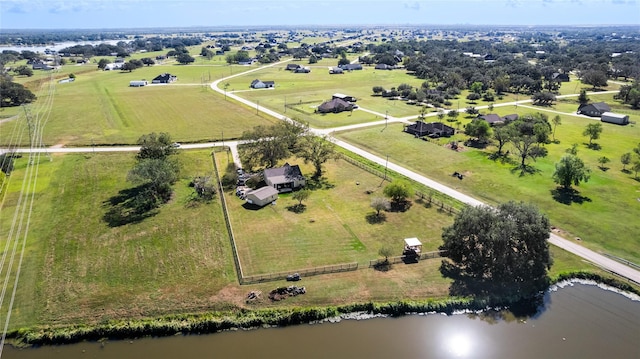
616, 118
412, 244
262, 196
138, 83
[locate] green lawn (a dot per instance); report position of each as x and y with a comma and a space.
334, 227
605, 217
100, 107
78, 268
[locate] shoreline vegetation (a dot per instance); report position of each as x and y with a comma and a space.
245, 319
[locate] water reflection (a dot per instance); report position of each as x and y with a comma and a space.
576, 322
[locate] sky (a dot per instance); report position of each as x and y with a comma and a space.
113, 14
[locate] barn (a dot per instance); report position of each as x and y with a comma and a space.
616, 118
262, 196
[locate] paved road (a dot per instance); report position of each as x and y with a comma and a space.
591, 256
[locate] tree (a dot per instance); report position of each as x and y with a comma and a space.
583, 99
380, 204
571, 170
155, 146
544, 98
398, 191
316, 150
441, 114
471, 110
488, 96
265, 146
479, 129
185, 59
385, 252
490, 107
593, 131
103, 63
636, 167
301, 195
156, 175
473, 96
557, 120
453, 115
14, 94
603, 161
476, 88
6, 163
377, 90
72, 76
148, 61
498, 253
595, 78
206, 53
23, 70
204, 187
502, 134
625, 159
529, 133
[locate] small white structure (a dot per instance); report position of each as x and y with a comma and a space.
616, 118
262, 196
138, 83
412, 244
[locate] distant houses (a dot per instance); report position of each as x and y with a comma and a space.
350, 67
164, 78
113, 66
257, 84
335, 70
431, 129
384, 67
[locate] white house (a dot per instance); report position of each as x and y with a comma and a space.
113, 66
257, 84
138, 83
262, 196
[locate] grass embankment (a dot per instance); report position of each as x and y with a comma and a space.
604, 212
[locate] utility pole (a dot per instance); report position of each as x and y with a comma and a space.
386, 164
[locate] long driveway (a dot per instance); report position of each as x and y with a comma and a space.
589, 255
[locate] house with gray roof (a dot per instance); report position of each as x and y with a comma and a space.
284, 179
262, 196
593, 109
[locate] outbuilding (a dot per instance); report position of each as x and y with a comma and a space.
262, 196
412, 245
138, 83
616, 118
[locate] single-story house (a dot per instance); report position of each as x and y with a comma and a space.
335, 70
594, 109
262, 196
257, 84
41, 66
560, 77
616, 118
285, 178
138, 83
431, 129
350, 67
335, 105
384, 67
114, 66
292, 67
491, 118
164, 78
344, 97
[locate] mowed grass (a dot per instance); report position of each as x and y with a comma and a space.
101, 108
79, 269
333, 229
605, 213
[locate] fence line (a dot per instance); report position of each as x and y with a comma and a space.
227, 220
401, 259
364, 167
337, 268
442, 206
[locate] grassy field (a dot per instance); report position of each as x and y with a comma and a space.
335, 227
100, 107
603, 215
79, 268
